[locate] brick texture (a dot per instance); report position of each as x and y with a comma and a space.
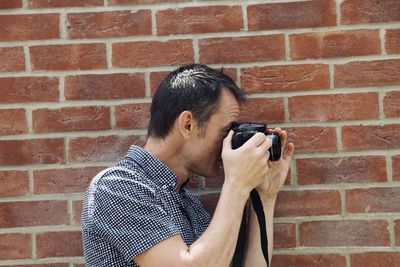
310, 260
306, 203
371, 137
391, 104
373, 200
304, 14
199, 20
29, 27
59, 244
107, 86
14, 183
12, 59
33, 213
375, 259
76, 83
71, 119
28, 89
15, 246
392, 41
335, 44
63, 3
68, 57
285, 78
241, 49
369, 169
369, 11
109, 24
344, 233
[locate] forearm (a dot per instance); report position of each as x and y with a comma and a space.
217, 244
253, 253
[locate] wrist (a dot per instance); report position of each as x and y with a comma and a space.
236, 191
267, 199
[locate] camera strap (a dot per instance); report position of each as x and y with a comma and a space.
258, 208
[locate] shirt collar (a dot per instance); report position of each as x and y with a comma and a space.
159, 173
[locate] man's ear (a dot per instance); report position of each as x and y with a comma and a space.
186, 123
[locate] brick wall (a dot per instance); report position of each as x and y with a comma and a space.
76, 80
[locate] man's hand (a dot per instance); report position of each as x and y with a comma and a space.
246, 167
278, 170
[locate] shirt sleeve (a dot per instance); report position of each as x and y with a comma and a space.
129, 214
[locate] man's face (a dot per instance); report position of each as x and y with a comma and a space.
208, 145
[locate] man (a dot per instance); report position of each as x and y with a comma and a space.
140, 212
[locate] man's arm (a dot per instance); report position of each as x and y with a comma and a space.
268, 191
245, 169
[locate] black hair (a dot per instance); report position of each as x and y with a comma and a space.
195, 88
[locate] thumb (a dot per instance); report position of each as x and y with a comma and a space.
227, 144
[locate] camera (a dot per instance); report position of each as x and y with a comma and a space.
244, 131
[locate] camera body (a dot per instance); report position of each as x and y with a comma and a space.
244, 131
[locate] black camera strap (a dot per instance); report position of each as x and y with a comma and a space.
258, 208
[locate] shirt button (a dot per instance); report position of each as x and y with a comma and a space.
164, 187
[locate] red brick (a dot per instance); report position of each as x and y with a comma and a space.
34, 151
59, 244
392, 41
29, 27
156, 79
77, 207
33, 213
12, 59
391, 104
119, 2
242, 49
14, 183
266, 110
4, 4
285, 78
210, 201
335, 44
109, 24
369, 11
337, 107
313, 139
309, 260
68, 57
71, 119
199, 20
103, 148
63, 3
72, 180
359, 233
373, 200
132, 115
387, 259
15, 246
304, 14
284, 235
104, 86
367, 73
13, 121
307, 203
396, 167
368, 169
28, 89
371, 137
397, 232
151, 53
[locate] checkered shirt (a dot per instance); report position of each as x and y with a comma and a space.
132, 206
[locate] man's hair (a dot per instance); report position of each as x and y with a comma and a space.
195, 88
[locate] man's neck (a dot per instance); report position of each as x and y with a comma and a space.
171, 155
